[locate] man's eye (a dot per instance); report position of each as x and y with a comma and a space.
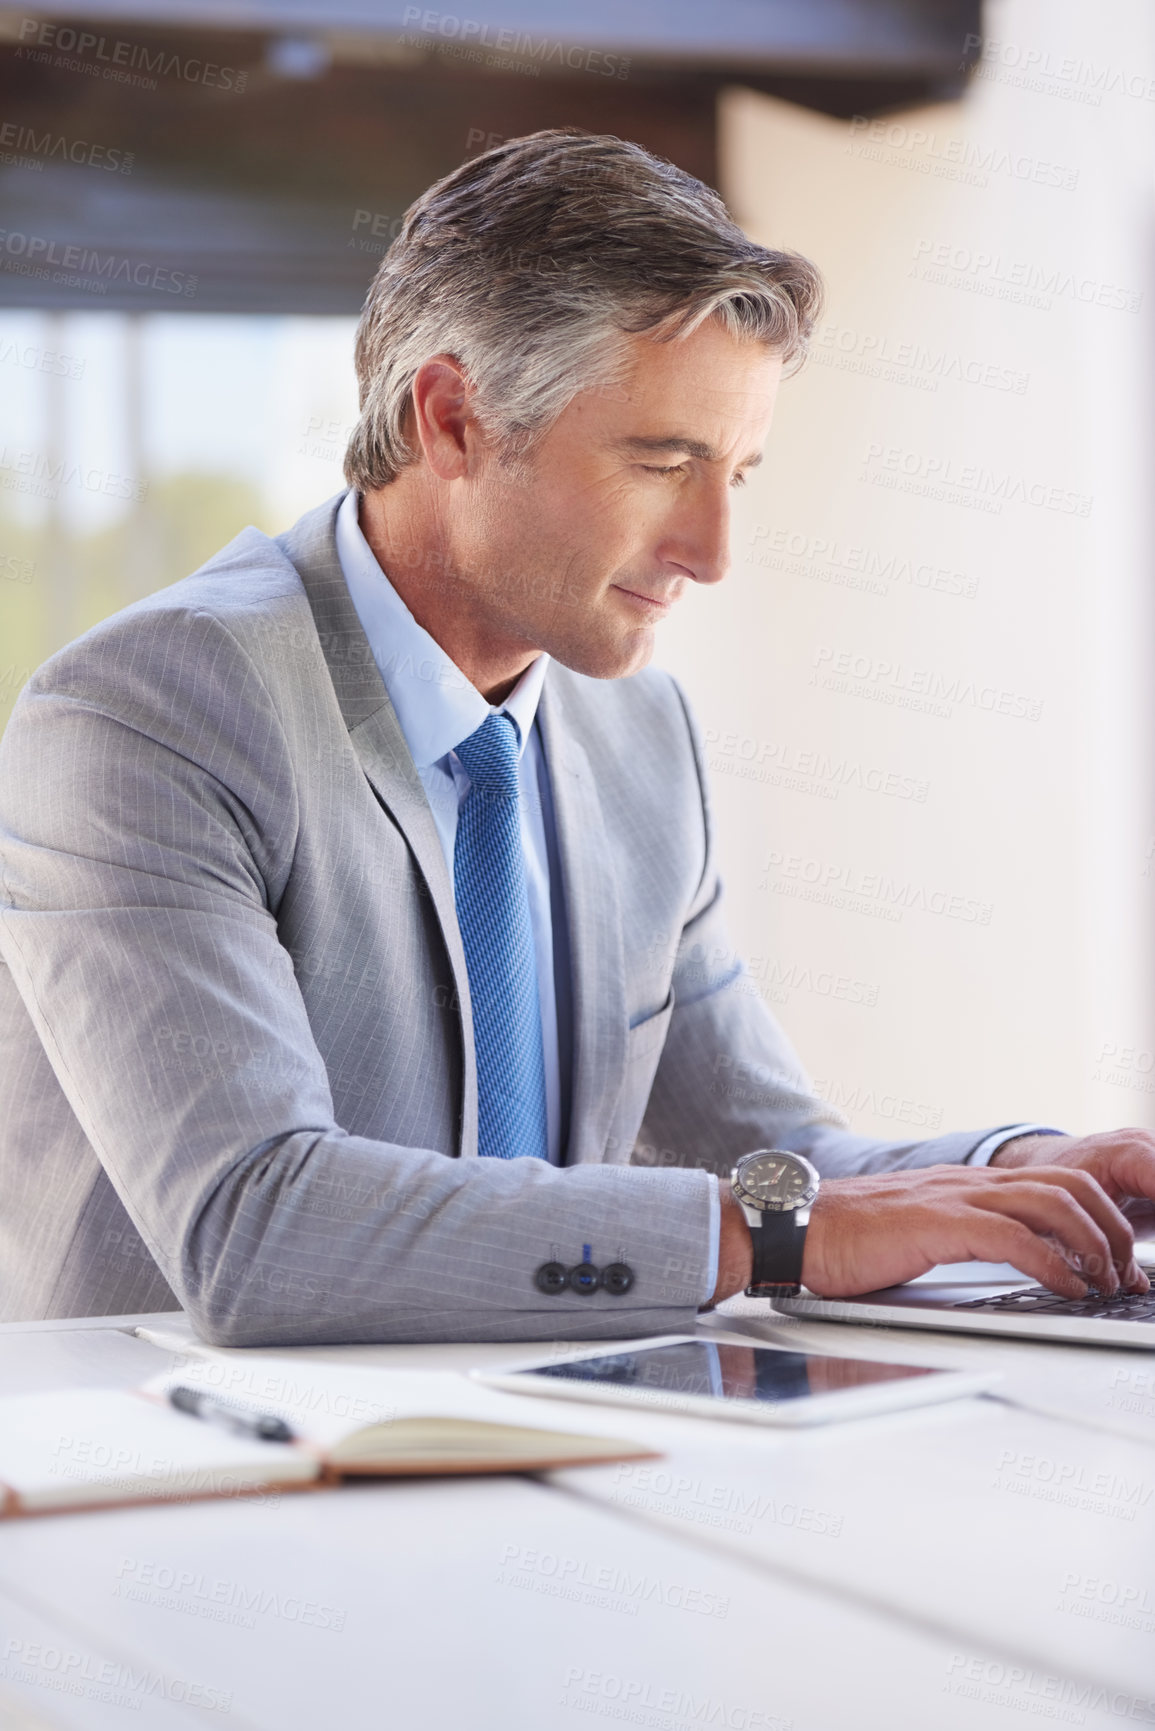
738, 480
674, 469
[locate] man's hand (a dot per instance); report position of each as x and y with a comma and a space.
1056, 1223
1123, 1161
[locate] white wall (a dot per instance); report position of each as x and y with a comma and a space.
926, 463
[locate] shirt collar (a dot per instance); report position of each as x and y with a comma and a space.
435, 704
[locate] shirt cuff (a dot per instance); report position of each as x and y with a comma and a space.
983, 1154
715, 1230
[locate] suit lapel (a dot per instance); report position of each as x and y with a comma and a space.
593, 914
376, 736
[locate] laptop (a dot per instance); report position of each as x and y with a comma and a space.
1001, 1302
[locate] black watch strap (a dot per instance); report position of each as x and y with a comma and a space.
778, 1242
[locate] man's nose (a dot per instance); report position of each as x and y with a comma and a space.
706, 537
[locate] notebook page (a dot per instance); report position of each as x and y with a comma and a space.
75, 1446
326, 1403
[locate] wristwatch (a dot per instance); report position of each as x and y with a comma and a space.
775, 1191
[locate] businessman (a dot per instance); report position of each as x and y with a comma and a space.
365, 969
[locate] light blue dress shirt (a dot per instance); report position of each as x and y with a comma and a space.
437, 707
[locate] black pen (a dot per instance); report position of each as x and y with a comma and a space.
264, 1425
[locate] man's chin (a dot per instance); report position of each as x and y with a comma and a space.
614, 660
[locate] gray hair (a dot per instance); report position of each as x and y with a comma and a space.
530, 264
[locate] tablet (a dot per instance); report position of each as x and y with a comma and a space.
749, 1381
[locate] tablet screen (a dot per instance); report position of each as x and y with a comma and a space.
727, 1370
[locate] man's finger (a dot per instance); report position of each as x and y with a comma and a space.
1126, 1167
998, 1238
1051, 1208
1091, 1196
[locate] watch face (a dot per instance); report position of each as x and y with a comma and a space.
777, 1181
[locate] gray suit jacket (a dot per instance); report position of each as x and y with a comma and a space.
235, 1032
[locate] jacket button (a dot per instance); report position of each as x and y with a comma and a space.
552, 1277
617, 1279
584, 1278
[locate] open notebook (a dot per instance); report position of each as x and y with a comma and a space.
83, 1448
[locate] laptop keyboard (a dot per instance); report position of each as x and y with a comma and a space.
1037, 1301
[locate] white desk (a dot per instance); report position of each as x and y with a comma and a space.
908, 1573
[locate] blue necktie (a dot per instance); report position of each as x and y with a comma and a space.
493, 914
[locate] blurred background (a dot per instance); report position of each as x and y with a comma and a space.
927, 686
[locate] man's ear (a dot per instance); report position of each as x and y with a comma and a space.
444, 422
